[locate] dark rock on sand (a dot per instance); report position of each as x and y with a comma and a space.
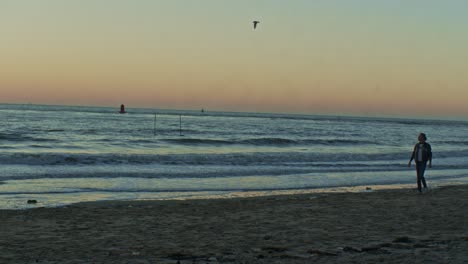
403, 239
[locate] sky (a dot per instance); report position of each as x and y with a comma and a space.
361, 57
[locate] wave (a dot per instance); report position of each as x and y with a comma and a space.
238, 159
197, 141
41, 146
269, 141
180, 171
451, 142
340, 142
16, 137
253, 141
266, 141
6, 147
215, 173
192, 186
170, 159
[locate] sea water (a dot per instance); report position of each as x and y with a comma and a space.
59, 155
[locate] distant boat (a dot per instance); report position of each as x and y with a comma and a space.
122, 109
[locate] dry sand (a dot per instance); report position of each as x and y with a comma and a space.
397, 226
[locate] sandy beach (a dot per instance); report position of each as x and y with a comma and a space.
389, 226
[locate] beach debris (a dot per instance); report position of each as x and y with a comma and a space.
321, 252
400, 243
403, 246
403, 239
351, 249
294, 256
275, 249
376, 247
213, 259
32, 202
183, 255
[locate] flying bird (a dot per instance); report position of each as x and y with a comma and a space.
255, 24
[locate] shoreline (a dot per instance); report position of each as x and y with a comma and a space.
42, 202
390, 226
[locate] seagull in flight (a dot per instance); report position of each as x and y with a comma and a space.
255, 24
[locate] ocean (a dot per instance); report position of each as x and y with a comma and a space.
59, 155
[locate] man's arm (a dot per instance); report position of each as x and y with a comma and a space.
430, 155
412, 156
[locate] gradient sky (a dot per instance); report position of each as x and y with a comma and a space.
365, 57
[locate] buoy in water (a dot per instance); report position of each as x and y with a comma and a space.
122, 109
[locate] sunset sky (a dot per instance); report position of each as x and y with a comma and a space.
363, 57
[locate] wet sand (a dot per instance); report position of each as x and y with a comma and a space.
394, 226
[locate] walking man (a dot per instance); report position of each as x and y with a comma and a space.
422, 153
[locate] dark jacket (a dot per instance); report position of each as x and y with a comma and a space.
426, 152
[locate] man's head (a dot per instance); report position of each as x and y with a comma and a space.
422, 137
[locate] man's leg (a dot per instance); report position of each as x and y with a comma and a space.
418, 175
423, 169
